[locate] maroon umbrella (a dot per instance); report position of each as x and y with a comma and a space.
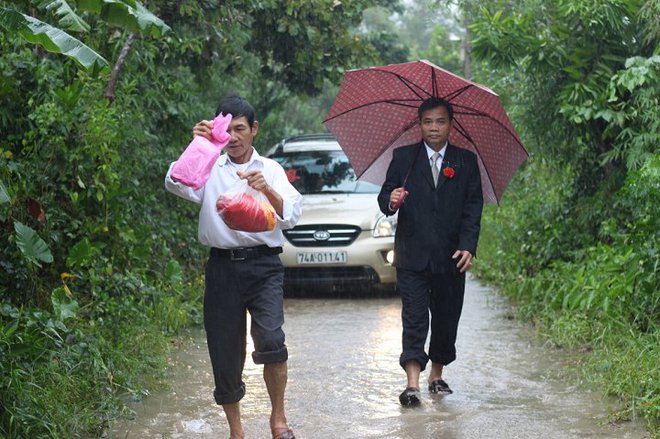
376, 111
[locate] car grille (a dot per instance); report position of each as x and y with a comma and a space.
338, 277
338, 235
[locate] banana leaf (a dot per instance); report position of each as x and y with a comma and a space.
50, 38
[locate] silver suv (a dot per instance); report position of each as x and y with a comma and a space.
342, 243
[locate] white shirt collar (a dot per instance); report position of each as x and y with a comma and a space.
222, 160
430, 151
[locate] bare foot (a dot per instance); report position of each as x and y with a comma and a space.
434, 378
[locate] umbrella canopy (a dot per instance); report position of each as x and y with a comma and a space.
375, 111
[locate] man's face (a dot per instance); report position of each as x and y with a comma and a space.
239, 147
435, 126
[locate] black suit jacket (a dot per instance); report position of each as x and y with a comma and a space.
434, 222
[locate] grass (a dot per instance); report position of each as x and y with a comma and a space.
67, 380
618, 360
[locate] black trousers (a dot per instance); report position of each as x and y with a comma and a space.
232, 289
442, 294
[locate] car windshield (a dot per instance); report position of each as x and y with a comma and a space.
321, 172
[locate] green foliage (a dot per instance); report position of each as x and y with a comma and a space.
425, 29
81, 180
633, 113
34, 248
390, 49
595, 292
622, 363
52, 369
571, 61
129, 14
614, 276
575, 240
628, 366
444, 50
4, 196
301, 43
64, 306
51, 38
68, 19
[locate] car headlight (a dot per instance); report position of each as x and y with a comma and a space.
385, 227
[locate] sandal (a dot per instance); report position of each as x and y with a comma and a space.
440, 387
411, 397
284, 433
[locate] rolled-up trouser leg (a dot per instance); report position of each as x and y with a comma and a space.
265, 301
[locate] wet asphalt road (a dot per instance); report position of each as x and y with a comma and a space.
344, 382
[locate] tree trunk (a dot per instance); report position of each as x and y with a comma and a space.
119, 66
466, 47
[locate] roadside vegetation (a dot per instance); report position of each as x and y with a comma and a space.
100, 267
575, 239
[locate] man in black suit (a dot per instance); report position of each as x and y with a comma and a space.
436, 239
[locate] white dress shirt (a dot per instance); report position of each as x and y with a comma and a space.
430, 152
213, 231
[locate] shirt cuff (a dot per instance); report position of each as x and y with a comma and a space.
287, 207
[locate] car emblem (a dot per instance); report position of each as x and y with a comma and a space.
321, 235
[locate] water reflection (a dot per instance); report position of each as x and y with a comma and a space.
344, 380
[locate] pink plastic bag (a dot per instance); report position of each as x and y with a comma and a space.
194, 166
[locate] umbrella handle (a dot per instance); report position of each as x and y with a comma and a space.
403, 196
395, 206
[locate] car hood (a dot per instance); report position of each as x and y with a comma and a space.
355, 209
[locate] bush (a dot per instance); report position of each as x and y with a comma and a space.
592, 293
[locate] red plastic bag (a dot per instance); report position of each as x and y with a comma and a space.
246, 211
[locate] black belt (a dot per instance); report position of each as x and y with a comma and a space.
243, 253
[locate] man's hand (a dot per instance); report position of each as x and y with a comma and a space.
203, 129
255, 180
396, 197
464, 261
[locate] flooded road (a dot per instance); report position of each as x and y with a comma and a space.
344, 382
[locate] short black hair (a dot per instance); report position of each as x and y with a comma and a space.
431, 103
236, 106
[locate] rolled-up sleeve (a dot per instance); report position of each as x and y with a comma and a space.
181, 190
291, 201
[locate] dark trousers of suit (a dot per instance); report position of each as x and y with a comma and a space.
442, 294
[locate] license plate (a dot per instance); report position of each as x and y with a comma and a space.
322, 258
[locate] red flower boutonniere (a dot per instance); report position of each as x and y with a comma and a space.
449, 172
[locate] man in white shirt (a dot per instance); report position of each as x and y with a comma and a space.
244, 272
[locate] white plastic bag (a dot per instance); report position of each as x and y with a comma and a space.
245, 209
